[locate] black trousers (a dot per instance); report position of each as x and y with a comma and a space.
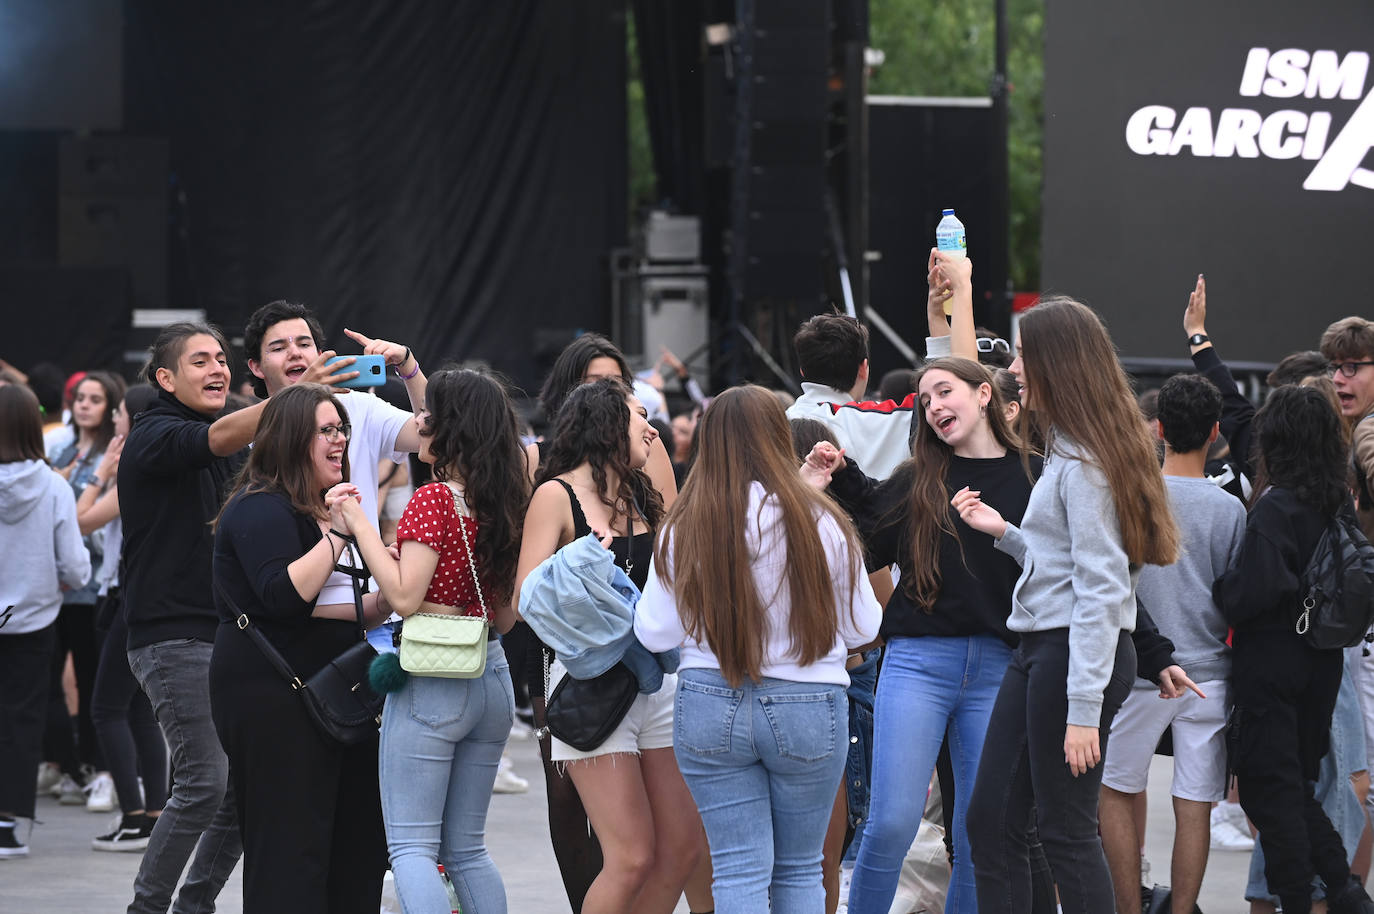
1024, 784
24, 663
1285, 692
73, 750
310, 810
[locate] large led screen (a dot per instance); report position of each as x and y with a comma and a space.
1201, 137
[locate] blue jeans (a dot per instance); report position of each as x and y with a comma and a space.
927, 685
763, 763
441, 746
199, 815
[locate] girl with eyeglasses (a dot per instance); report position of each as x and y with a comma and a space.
277, 541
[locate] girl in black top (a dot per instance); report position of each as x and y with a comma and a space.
588, 358
593, 480
275, 546
1285, 690
945, 625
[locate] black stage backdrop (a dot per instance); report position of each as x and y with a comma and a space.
447, 174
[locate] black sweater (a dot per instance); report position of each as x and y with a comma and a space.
171, 486
1260, 591
975, 584
257, 538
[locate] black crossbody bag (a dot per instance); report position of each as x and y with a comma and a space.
338, 697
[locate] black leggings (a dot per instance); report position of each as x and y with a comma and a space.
575, 844
1024, 784
130, 737
73, 750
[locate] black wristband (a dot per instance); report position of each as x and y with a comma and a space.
1197, 339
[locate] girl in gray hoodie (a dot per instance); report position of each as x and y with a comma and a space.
44, 555
1098, 512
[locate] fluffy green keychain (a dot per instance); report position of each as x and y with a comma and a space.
385, 674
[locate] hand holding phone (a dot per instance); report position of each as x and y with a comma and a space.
371, 370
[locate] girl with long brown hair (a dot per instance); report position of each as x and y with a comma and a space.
759, 578
1099, 512
945, 631
442, 738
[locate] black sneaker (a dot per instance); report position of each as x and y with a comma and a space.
10, 845
131, 835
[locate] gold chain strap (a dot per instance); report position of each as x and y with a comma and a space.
460, 507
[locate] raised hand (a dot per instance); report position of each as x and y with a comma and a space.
821, 464
393, 353
1195, 315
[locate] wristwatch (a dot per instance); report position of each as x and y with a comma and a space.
1197, 339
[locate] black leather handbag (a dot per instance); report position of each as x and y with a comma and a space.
338, 697
584, 712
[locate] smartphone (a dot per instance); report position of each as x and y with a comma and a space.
371, 370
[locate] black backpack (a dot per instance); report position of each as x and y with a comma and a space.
1337, 587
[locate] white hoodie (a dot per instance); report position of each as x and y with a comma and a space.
40, 546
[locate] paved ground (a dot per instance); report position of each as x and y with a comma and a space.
63, 875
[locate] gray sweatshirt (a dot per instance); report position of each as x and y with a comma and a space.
1074, 572
41, 545
1179, 596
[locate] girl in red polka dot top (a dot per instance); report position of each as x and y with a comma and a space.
441, 738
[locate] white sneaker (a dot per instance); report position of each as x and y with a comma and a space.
507, 781
1230, 812
1227, 837
521, 731
49, 776
100, 793
69, 792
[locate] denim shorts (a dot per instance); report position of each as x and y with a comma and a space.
647, 725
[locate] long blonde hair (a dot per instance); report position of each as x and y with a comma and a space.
1078, 388
745, 438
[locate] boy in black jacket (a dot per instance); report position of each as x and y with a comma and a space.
173, 474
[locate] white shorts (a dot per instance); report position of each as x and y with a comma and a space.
647, 725
1199, 734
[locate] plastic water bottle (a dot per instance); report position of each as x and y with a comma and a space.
452, 892
949, 238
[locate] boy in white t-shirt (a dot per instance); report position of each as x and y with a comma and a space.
282, 339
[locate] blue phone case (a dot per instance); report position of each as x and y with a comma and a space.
371, 371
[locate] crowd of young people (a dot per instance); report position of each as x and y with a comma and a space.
1042, 601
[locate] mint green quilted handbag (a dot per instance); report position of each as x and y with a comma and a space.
449, 647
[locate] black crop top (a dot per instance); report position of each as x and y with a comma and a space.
632, 553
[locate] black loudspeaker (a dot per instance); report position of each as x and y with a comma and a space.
77, 318
781, 115
923, 158
112, 209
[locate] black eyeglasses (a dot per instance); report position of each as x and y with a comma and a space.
993, 344
1346, 368
335, 432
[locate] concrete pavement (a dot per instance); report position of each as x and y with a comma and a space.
63, 875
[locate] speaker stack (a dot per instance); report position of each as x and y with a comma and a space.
778, 214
